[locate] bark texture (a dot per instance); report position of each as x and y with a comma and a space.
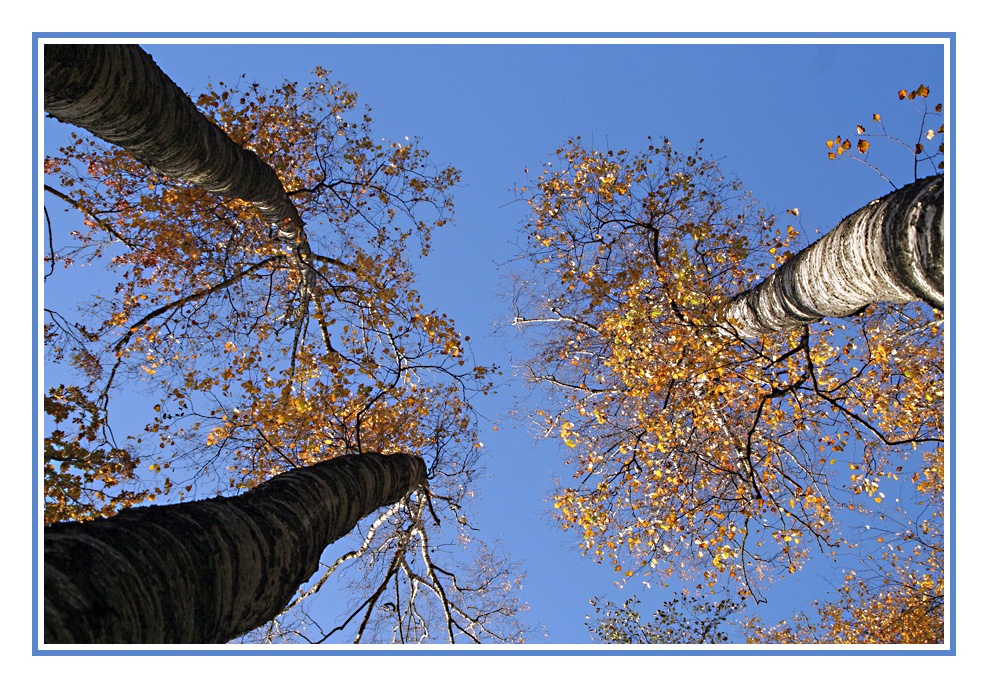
209, 571
891, 250
119, 94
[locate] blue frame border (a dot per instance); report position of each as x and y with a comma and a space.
950, 37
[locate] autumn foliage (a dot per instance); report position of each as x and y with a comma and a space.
206, 308
926, 150
250, 356
897, 594
694, 451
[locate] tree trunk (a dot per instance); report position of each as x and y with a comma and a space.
209, 571
891, 250
119, 94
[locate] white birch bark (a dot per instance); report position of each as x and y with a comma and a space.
891, 250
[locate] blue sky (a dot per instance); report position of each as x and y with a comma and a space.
764, 111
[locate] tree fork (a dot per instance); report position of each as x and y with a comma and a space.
891, 250
209, 571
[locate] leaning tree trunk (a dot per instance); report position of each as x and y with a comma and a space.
891, 250
119, 94
209, 571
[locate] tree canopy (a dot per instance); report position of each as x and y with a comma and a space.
254, 337
697, 449
265, 347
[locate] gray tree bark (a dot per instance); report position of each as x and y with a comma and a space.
891, 250
118, 93
211, 570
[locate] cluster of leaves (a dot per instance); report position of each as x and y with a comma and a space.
684, 620
83, 468
905, 614
897, 597
926, 151
245, 373
694, 451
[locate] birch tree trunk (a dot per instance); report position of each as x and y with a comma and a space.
209, 571
118, 93
891, 250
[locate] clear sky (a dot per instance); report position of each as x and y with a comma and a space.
763, 110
